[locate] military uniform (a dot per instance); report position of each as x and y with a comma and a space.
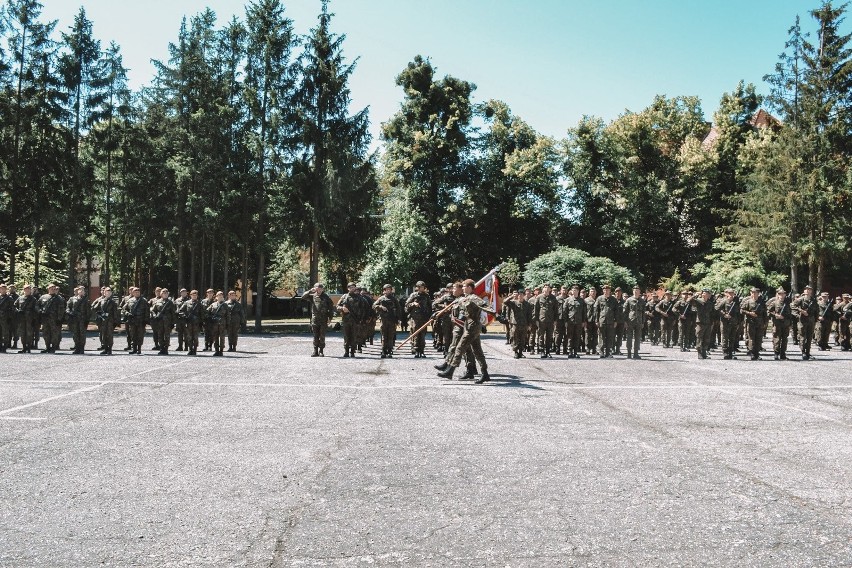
825, 320
206, 322
559, 344
368, 325
605, 317
781, 316
219, 313
516, 312
546, 310
156, 324
634, 315
25, 308
806, 310
190, 312
668, 319
418, 306
574, 309
754, 312
471, 307
107, 313
844, 317
728, 308
652, 319
135, 312
163, 312
180, 322
704, 309
7, 308
620, 321
236, 321
350, 307
444, 323
322, 311
51, 311
388, 310
591, 335
78, 312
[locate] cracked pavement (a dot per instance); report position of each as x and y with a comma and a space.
268, 457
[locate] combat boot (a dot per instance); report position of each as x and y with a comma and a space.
483, 378
321, 351
314, 354
163, 351
469, 374
443, 366
447, 373
346, 353
192, 352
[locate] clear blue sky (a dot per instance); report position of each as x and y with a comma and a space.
551, 61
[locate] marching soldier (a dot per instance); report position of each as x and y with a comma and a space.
322, 310
51, 311
471, 308
755, 313
180, 322
545, 312
704, 307
25, 308
135, 311
605, 316
728, 308
108, 314
78, 313
458, 330
418, 307
532, 333
163, 312
368, 325
665, 309
444, 323
190, 312
620, 320
652, 318
206, 322
781, 316
387, 308
844, 316
349, 306
236, 319
806, 310
156, 324
219, 313
634, 315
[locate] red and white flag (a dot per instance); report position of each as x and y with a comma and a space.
488, 288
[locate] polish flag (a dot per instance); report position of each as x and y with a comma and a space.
488, 288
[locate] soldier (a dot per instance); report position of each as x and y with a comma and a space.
206, 322
368, 325
574, 309
78, 312
6, 309
51, 311
156, 324
704, 307
121, 303
806, 310
532, 332
530, 309
444, 323
516, 315
108, 314
135, 312
219, 314
25, 309
681, 312
559, 344
387, 308
545, 312
163, 312
754, 311
190, 312
652, 318
634, 315
419, 308
13, 320
180, 322
605, 317
781, 316
844, 317
620, 320
457, 316
93, 307
665, 309
349, 306
236, 319
728, 308
322, 311
471, 308
591, 335
825, 319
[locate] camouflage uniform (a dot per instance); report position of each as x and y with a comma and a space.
78, 312
322, 310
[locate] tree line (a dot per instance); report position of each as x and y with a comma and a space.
242, 165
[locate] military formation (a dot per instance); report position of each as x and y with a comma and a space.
28, 317
544, 321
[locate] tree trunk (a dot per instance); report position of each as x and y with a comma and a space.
820, 278
244, 287
212, 259
794, 277
192, 248
812, 271
137, 271
201, 284
258, 304
314, 268
37, 262
225, 285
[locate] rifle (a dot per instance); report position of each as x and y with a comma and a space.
435, 316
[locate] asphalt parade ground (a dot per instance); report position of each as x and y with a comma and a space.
268, 457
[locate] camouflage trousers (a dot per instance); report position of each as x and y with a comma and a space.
633, 337
190, 335
806, 336
780, 336
78, 333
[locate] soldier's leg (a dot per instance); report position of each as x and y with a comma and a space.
321, 336
476, 347
559, 337
192, 329
675, 332
180, 331
4, 334
109, 335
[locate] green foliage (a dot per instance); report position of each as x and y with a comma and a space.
571, 266
732, 265
674, 283
287, 270
510, 272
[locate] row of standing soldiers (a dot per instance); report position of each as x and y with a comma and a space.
574, 322
23, 317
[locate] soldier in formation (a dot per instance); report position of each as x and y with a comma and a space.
388, 310
322, 310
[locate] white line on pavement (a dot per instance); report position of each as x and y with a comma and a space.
87, 389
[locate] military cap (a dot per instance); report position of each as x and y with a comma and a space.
754, 289
781, 290
27, 286
824, 294
387, 287
730, 291
708, 290
605, 286
636, 287
420, 283
668, 291
847, 296
575, 287
618, 288
319, 285
808, 287
2, 285
351, 285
